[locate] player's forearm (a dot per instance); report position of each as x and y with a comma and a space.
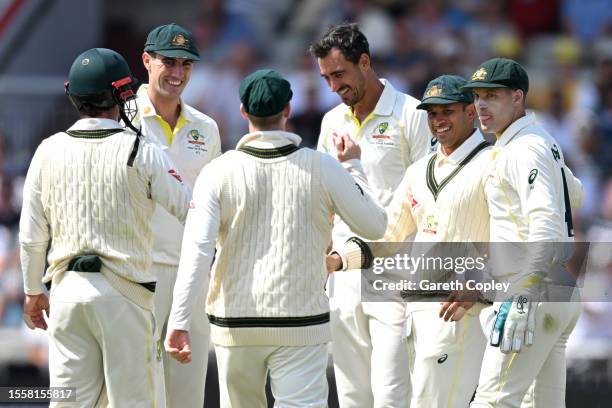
32, 267
192, 278
197, 251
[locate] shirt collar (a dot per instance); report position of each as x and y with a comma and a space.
95, 123
462, 151
146, 108
269, 139
514, 128
386, 102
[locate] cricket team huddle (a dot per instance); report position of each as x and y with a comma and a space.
154, 244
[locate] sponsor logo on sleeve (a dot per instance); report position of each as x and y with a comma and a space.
532, 176
359, 188
175, 174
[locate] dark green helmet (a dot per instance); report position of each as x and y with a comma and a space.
100, 78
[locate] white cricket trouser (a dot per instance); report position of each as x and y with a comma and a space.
102, 344
297, 376
505, 379
369, 350
445, 357
185, 383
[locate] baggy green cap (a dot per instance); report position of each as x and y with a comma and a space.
446, 89
500, 73
264, 93
173, 41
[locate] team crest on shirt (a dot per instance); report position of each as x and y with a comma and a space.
431, 224
196, 142
380, 136
381, 128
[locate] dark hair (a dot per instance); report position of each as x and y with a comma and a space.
92, 111
347, 38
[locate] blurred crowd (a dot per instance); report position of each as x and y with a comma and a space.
565, 45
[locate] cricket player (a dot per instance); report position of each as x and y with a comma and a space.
191, 140
442, 199
369, 353
89, 196
269, 209
529, 191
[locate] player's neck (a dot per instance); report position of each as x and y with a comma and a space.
447, 150
517, 115
374, 89
168, 109
281, 126
112, 114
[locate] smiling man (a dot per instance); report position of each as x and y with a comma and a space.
191, 140
530, 192
369, 353
441, 199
